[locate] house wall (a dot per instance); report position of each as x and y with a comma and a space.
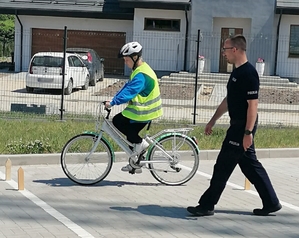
286, 66
30, 22
256, 17
164, 50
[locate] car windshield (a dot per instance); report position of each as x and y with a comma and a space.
48, 61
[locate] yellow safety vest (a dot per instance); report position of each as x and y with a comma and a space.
145, 108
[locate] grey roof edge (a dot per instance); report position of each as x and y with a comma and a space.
287, 10
77, 14
109, 10
288, 7
287, 3
158, 4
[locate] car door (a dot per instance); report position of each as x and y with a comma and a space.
83, 70
72, 71
79, 71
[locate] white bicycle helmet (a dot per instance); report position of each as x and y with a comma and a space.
130, 49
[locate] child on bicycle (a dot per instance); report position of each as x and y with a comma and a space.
142, 93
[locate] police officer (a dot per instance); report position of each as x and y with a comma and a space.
238, 146
142, 94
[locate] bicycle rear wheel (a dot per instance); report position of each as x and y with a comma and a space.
184, 163
82, 166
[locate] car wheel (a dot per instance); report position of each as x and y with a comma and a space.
86, 84
29, 89
93, 80
69, 89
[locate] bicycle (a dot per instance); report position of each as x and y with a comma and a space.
87, 158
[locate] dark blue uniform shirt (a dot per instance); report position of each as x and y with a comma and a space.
242, 85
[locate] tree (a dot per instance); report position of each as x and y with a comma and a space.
7, 31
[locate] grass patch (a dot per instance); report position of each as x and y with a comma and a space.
25, 136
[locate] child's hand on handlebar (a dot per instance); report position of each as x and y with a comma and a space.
107, 104
107, 108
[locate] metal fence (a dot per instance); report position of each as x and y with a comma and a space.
174, 58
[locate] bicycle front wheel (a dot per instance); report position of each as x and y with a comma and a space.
182, 165
83, 166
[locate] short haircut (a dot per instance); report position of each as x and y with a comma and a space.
238, 41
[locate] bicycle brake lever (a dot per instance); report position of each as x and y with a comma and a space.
108, 110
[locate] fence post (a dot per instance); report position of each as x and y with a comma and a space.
247, 184
63, 73
8, 169
196, 76
20, 179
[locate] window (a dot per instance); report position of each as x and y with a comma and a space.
48, 61
294, 41
151, 24
71, 64
76, 61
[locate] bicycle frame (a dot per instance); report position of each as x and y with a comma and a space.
113, 132
108, 127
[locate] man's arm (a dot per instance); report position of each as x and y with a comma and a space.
251, 114
222, 108
251, 118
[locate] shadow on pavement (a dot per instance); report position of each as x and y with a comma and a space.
247, 213
123, 183
160, 211
65, 182
57, 182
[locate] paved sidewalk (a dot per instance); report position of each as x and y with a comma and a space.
126, 205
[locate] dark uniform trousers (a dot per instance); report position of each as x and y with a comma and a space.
230, 155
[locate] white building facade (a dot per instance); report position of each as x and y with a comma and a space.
270, 28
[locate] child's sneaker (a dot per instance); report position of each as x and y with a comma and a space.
141, 146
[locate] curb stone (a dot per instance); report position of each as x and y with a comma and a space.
38, 159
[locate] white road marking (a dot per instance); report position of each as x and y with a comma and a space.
50, 210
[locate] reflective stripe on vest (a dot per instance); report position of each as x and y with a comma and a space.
145, 108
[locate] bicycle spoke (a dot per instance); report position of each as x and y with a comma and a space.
181, 153
85, 171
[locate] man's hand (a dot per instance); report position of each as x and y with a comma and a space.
209, 126
107, 104
247, 141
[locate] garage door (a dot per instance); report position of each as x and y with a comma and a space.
106, 44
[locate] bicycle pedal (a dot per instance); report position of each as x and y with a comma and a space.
135, 171
177, 169
134, 164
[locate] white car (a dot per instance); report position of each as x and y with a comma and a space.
45, 71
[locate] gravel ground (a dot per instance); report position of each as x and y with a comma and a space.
186, 92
